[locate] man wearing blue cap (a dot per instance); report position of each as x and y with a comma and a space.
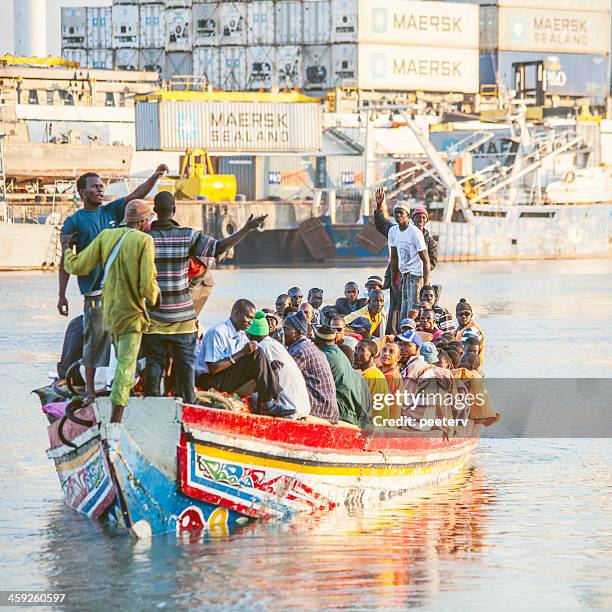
410, 345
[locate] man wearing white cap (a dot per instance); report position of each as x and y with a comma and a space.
408, 256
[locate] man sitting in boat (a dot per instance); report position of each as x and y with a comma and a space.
443, 318
315, 299
374, 312
228, 361
363, 361
352, 392
308, 311
293, 401
313, 365
295, 295
411, 344
428, 330
466, 326
282, 301
351, 300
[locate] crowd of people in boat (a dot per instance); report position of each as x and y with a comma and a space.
144, 285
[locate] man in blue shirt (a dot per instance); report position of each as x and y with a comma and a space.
84, 226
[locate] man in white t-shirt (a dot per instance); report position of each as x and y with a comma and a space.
409, 257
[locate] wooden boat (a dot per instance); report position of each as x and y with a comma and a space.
173, 467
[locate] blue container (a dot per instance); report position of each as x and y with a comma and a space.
568, 74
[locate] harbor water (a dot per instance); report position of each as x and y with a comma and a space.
526, 526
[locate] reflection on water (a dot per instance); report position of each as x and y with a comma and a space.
527, 525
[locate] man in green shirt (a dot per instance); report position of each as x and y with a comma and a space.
352, 392
129, 283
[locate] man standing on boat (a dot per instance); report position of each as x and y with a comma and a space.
85, 225
127, 257
173, 325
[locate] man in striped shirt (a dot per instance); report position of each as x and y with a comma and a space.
173, 326
443, 318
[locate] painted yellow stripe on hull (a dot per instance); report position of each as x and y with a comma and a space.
77, 461
382, 471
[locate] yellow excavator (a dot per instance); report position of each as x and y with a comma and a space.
197, 180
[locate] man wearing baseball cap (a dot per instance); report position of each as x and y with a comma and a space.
128, 283
410, 345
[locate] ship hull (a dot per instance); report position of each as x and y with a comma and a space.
27, 246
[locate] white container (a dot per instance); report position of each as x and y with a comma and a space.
288, 21
99, 27
553, 31
228, 126
75, 55
125, 26
232, 23
316, 18
344, 65
178, 3
178, 29
152, 26
316, 64
152, 60
100, 58
289, 69
232, 68
74, 28
344, 21
205, 24
397, 68
261, 67
126, 59
402, 22
206, 64
178, 63
598, 6
260, 22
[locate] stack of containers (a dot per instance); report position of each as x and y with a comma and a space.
152, 37
74, 34
206, 40
317, 52
125, 30
178, 37
572, 39
99, 39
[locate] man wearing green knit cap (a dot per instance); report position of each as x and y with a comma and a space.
293, 400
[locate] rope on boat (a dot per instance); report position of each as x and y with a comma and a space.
215, 399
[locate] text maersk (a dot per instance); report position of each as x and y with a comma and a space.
427, 67
240, 129
560, 31
426, 23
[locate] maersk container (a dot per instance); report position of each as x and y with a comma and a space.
344, 21
228, 126
152, 26
260, 22
178, 29
205, 24
178, 63
568, 74
317, 22
232, 68
344, 65
74, 28
288, 22
99, 30
418, 24
206, 64
152, 60
126, 59
125, 26
597, 6
316, 64
261, 67
289, 66
100, 58
232, 23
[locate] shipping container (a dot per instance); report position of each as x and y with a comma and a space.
540, 30
74, 28
228, 126
567, 74
316, 19
100, 58
178, 63
178, 29
396, 68
261, 67
206, 64
152, 26
99, 29
317, 66
125, 26
288, 22
232, 23
488, 28
597, 6
152, 60
260, 22
179, 3
288, 178
232, 68
344, 65
344, 21
205, 24
414, 23
75, 55
243, 167
289, 66
126, 59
